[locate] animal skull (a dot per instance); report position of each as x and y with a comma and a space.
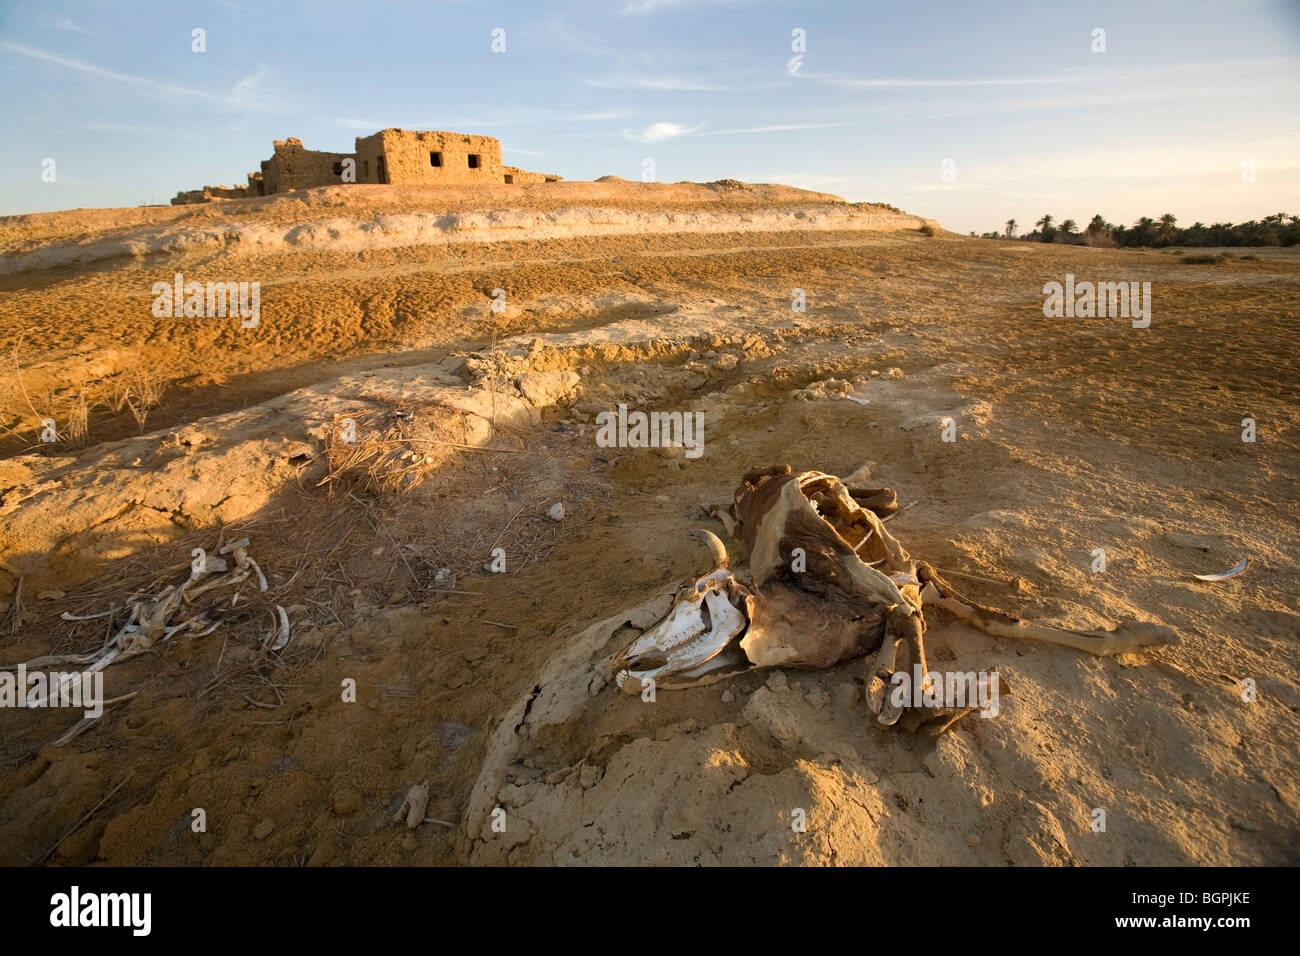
829, 584
697, 641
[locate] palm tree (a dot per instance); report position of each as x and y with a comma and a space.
1046, 222
1011, 228
1069, 227
1143, 231
1097, 225
1167, 223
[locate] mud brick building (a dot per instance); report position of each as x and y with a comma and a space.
399, 157
293, 167
396, 157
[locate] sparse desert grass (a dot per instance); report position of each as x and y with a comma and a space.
1205, 259
927, 229
18, 409
25, 405
78, 417
139, 389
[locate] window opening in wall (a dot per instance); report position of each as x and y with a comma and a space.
338, 169
435, 159
473, 160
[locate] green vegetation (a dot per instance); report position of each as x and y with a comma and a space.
1279, 229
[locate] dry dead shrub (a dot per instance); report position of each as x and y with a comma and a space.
392, 448
139, 389
78, 417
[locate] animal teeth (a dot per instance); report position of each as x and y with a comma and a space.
668, 640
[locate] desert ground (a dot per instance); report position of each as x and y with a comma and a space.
493, 686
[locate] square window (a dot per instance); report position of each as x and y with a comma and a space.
435, 159
473, 161
338, 169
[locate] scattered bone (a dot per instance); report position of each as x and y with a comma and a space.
861, 475
414, 805
157, 619
282, 633
1224, 575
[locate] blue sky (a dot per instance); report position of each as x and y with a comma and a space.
1033, 120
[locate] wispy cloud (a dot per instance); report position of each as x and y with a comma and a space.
71, 27
904, 83
523, 152
559, 32
649, 6
248, 92
243, 94
669, 83
659, 132
1090, 77
482, 120
596, 117
775, 128
122, 128
82, 66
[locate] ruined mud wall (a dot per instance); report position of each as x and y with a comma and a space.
513, 174
292, 167
209, 193
433, 157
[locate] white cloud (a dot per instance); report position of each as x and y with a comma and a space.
84, 67
902, 83
122, 128
635, 7
775, 128
244, 94
71, 27
483, 121
658, 132
1090, 77
669, 83
247, 92
648, 6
